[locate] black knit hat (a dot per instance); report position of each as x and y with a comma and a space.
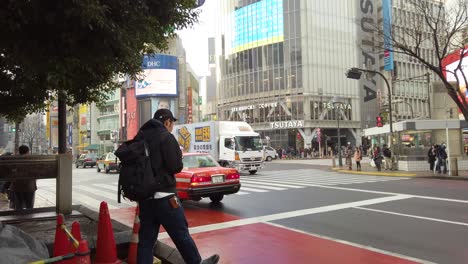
164, 114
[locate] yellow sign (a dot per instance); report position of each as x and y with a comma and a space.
184, 138
202, 134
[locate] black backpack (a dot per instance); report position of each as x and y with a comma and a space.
137, 181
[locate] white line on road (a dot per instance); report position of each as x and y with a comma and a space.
274, 217
251, 189
272, 184
389, 193
262, 186
353, 244
105, 194
413, 216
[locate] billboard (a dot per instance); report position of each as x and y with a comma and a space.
258, 24
159, 76
387, 30
163, 103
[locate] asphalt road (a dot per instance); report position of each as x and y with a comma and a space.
425, 219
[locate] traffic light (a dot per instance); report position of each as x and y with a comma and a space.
379, 121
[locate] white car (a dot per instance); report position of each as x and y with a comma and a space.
269, 153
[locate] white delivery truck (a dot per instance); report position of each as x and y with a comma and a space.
232, 144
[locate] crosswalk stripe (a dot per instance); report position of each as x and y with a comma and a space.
252, 189
80, 198
106, 186
241, 193
332, 180
307, 183
105, 194
327, 178
263, 187
272, 184
330, 176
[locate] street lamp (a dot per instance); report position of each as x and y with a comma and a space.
355, 73
334, 101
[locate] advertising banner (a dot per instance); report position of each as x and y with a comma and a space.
163, 103
387, 29
258, 24
159, 76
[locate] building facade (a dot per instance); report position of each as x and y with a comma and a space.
280, 67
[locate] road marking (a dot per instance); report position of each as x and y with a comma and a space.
241, 193
105, 194
272, 184
106, 186
291, 214
414, 216
387, 174
329, 178
389, 193
90, 202
353, 244
263, 186
251, 189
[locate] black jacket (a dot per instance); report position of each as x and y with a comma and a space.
165, 153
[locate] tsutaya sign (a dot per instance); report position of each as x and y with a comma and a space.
287, 124
340, 106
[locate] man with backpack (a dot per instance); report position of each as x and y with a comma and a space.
153, 158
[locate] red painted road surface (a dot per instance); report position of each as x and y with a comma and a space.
264, 243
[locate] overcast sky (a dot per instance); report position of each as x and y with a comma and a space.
195, 39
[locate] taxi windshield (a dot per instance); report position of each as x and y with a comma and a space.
199, 161
247, 143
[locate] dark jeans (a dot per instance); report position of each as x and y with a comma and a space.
23, 200
358, 165
157, 212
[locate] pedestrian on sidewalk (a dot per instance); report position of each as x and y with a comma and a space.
23, 190
165, 208
431, 156
377, 156
442, 158
358, 158
387, 157
349, 155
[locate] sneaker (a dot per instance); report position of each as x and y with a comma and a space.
211, 260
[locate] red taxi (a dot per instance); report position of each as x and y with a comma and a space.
202, 177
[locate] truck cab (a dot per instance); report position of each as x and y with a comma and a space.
243, 152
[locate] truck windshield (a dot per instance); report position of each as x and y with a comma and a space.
248, 143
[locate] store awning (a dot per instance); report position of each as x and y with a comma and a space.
92, 147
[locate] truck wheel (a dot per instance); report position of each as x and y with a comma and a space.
252, 172
106, 169
98, 169
77, 165
216, 198
269, 158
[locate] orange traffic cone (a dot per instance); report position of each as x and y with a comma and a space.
82, 254
106, 251
133, 247
61, 244
76, 231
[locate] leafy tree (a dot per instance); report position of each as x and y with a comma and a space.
440, 27
76, 48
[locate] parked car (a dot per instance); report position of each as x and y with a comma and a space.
86, 160
108, 162
203, 177
270, 153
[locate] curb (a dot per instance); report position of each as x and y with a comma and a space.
376, 173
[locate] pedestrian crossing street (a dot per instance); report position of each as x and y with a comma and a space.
92, 193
